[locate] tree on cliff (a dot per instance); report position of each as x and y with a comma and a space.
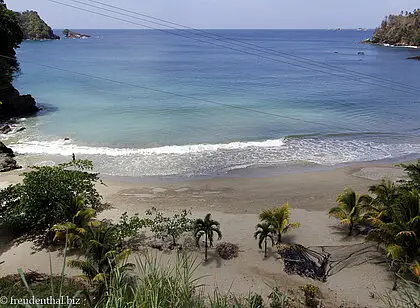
12, 104
403, 29
10, 37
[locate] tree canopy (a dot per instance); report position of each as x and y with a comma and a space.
34, 28
403, 29
11, 36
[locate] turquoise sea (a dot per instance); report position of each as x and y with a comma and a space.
147, 103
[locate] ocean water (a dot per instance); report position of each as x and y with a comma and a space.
147, 103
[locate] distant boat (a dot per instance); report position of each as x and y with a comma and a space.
362, 29
338, 29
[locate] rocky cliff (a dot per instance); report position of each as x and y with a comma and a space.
12, 104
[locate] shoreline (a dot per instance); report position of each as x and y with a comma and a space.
26, 160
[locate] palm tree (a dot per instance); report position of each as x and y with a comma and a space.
386, 193
278, 219
206, 227
101, 256
401, 232
349, 208
263, 232
78, 218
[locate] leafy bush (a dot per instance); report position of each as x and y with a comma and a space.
311, 293
164, 227
130, 227
45, 195
227, 251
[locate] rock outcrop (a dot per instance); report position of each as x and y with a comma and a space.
7, 162
70, 34
12, 104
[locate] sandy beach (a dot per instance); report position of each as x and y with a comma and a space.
235, 203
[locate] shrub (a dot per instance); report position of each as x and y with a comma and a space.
45, 195
311, 293
130, 227
173, 227
278, 298
255, 301
227, 251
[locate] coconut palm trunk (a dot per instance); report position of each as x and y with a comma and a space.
206, 227
205, 249
265, 248
351, 227
279, 238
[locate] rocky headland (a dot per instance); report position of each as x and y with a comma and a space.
34, 28
398, 30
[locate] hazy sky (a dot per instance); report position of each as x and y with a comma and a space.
236, 14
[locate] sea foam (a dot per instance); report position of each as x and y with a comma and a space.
67, 147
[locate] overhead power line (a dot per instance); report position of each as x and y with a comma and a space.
190, 97
219, 45
256, 47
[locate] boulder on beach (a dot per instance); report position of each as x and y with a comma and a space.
7, 162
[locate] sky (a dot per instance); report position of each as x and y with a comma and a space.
225, 14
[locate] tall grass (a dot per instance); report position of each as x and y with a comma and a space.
174, 285
157, 285
406, 296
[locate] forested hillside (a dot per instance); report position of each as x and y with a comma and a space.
402, 30
34, 28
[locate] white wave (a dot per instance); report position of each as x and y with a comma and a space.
66, 148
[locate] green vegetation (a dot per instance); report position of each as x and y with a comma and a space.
407, 296
42, 286
129, 227
392, 216
206, 227
311, 292
23, 206
102, 258
78, 219
173, 227
70, 34
403, 29
11, 36
264, 231
278, 219
34, 28
349, 208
